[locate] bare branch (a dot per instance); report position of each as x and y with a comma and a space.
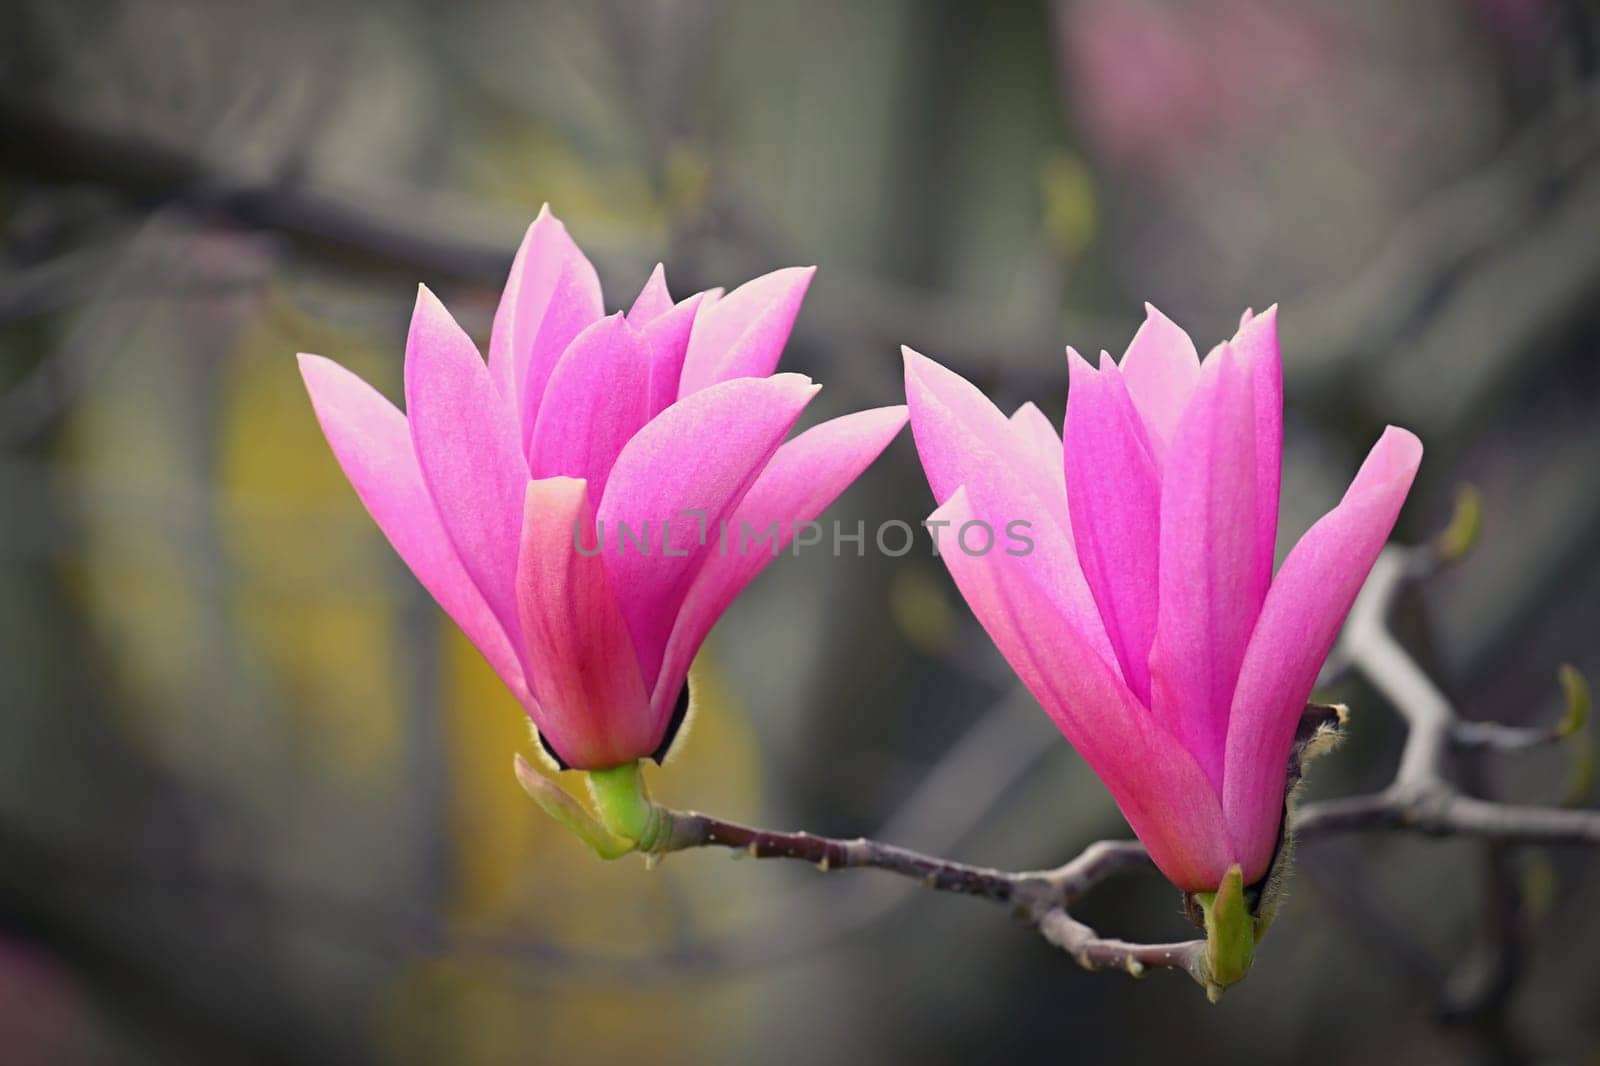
403, 238
692, 830
1497, 736
1421, 798
1039, 897
1094, 952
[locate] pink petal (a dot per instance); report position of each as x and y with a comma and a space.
1161, 367
551, 294
1114, 489
668, 336
597, 399
1299, 621
1257, 346
1042, 444
468, 447
742, 334
1036, 432
653, 300
1158, 786
805, 476
1210, 588
592, 707
960, 435
963, 439
702, 453
667, 327
372, 442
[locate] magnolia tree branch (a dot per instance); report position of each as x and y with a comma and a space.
1421, 798
1040, 897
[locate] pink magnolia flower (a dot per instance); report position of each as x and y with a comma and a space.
1147, 620
504, 484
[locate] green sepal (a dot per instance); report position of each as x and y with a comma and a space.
555, 802
1321, 729
624, 806
1230, 933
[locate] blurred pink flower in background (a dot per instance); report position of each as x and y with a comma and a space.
499, 472
1146, 619
1522, 22
44, 1015
1155, 81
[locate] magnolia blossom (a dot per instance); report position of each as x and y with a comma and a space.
494, 483
1148, 621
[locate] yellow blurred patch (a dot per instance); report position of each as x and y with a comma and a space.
922, 611
224, 555
1069, 203
533, 164
517, 866
476, 1011
525, 886
123, 469
315, 595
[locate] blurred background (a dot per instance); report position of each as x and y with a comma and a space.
255, 792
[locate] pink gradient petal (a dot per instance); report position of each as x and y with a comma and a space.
597, 399
742, 334
592, 708
1114, 489
653, 300
1257, 345
666, 327
372, 442
1161, 367
1209, 586
1299, 622
1158, 786
467, 445
668, 335
1036, 432
533, 254
961, 436
702, 453
805, 476
1042, 444
551, 294
963, 439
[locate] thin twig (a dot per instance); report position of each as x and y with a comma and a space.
1038, 897
406, 238
688, 829
1421, 798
